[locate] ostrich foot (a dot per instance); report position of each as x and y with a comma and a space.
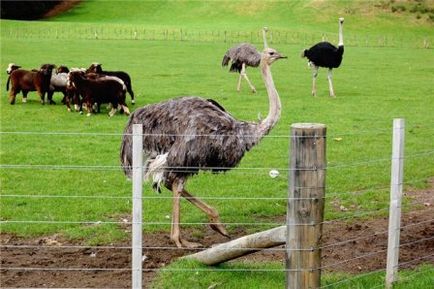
182, 243
218, 227
191, 245
313, 93
253, 90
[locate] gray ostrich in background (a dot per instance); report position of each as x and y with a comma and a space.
184, 135
325, 54
242, 55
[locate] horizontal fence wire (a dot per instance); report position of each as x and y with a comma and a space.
173, 248
331, 135
192, 168
98, 32
329, 195
126, 222
414, 260
214, 269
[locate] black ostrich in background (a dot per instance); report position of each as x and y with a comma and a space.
188, 134
325, 54
243, 55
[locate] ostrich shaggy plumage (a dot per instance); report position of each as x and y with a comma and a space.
243, 55
187, 134
325, 54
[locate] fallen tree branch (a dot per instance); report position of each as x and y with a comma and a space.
241, 246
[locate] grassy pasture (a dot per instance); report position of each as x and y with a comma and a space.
74, 159
270, 276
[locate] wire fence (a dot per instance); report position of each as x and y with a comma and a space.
82, 31
368, 231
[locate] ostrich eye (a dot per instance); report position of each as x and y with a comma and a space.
271, 53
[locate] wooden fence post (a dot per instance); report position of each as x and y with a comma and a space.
136, 265
395, 202
305, 205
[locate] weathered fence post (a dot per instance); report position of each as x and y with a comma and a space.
395, 202
137, 206
305, 205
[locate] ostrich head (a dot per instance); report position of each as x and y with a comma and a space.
270, 55
341, 34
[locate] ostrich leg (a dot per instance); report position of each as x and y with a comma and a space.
175, 234
239, 82
244, 74
314, 76
329, 77
178, 192
212, 213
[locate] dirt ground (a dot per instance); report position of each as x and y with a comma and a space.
369, 239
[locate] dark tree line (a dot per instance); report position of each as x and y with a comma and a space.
25, 10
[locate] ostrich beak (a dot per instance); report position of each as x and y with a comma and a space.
280, 56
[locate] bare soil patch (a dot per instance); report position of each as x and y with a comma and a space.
359, 246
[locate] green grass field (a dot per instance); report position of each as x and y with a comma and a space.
71, 161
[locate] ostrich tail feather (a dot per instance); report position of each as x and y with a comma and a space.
155, 168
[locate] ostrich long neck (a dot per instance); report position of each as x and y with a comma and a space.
274, 109
341, 35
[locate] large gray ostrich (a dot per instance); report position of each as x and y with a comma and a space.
325, 54
187, 134
241, 55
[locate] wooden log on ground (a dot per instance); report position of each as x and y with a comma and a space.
241, 246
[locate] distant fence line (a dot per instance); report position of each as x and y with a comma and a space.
219, 36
